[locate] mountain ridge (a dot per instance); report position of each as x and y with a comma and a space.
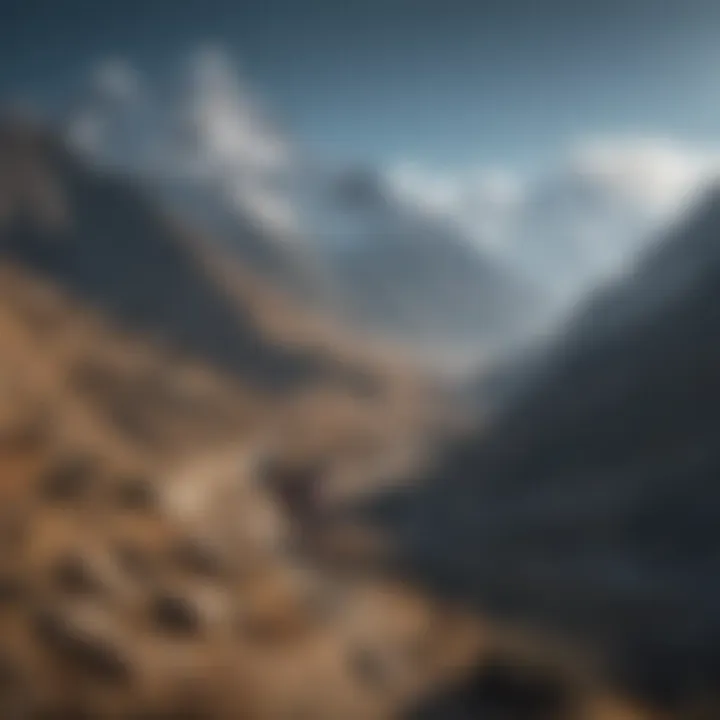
104, 240
587, 507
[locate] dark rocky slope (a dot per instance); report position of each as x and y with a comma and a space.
589, 508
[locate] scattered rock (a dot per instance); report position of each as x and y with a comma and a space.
133, 560
87, 651
198, 557
72, 574
12, 589
69, 480
175, 614
368, 667
136, 493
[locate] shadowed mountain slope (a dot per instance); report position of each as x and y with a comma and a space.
102, 239
589, 508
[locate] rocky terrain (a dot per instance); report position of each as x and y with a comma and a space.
174, 436
180, 443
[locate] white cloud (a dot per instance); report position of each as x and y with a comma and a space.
570, 223
655, 174
432, 190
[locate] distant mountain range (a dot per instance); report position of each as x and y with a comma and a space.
413, 276
104, 240
384, 266
340, 238
171, 339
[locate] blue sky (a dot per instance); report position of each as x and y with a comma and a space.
437, 81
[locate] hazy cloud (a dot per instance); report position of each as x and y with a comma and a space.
572, 222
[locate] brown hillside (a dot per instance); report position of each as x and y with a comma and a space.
164, 417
